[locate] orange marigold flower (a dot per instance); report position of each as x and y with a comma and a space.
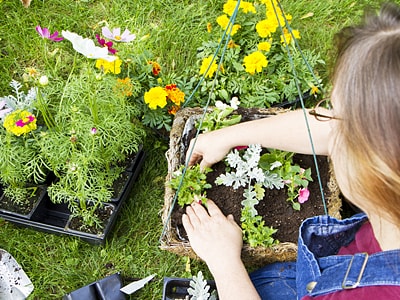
156, 68
124, 87
209, 27
173, 110
232, 44
175, 94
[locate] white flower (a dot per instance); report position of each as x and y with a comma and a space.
116, 35
87, 47
220, 105
43, 80
235, 102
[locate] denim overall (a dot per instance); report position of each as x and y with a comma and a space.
319, 270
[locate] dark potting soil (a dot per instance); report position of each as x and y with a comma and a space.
23, 208
102, 213
275, 209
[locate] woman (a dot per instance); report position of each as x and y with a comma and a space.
357, 258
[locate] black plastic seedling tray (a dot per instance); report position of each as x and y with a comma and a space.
52, 218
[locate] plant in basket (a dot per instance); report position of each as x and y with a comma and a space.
256, 65
268, 192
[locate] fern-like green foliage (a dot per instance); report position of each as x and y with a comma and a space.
96, 129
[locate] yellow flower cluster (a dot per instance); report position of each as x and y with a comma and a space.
275, 18
109, 67
20, 122
158, 97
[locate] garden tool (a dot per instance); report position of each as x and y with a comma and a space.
14, 283
109, 288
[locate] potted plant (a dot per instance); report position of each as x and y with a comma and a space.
196, 288
23, 170
271, 217
88, 133
254, 58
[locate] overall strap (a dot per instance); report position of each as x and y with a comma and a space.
360, 270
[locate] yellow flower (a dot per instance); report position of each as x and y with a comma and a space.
264, 46
156, 96
229, 7
288, 36
255, 62
266, 27
204, 65
314, 90
20, 122
223, 21
109, 67
247, 7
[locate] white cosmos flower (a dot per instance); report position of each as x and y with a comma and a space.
87, 47
116, 35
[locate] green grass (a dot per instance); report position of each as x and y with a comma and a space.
59, 264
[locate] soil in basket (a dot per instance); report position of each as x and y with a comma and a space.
276, 211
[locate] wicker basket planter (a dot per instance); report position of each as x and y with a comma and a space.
179, 140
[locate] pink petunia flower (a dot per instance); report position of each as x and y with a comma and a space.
238, 148
116, 35
108, 44
45, 33
304, 193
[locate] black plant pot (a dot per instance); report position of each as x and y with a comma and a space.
176, 288
8, 208
53, 218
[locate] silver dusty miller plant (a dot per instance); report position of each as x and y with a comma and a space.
199, 289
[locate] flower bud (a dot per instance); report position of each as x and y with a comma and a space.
43, 80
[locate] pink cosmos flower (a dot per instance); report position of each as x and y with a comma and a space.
93, 130
108, 44
45, 33
116, 35
304, 193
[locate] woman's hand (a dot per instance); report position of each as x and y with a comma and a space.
218, 241
215, 238
207, 149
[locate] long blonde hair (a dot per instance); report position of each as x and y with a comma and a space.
366, 84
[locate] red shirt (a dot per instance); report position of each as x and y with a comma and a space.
364, 241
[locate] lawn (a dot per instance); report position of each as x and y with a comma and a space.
172, 30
